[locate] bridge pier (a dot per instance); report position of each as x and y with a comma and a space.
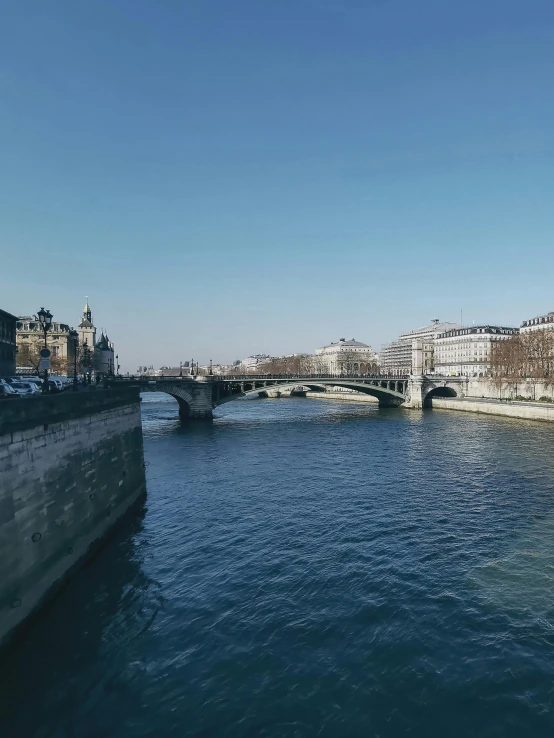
389, 402
414, 392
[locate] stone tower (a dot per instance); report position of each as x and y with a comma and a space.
86, 329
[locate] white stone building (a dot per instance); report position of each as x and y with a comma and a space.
251, 362
466, 351
540, 323
346, 357
396, 357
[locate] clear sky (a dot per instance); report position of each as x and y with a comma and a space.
227, 177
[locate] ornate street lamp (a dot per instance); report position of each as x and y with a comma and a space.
117, 364
86, 361
45, 320
211, 368
192, 367
74, 336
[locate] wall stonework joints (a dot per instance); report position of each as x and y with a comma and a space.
62, 487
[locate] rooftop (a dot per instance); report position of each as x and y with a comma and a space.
548, 318
434, 326
344, 342
480, 329
8, 315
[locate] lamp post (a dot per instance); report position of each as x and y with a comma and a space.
180, 368
192, 367
211, 368
117, 364
45, 320
74, 336
86, 362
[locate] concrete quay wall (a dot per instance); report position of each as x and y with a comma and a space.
482, 387
523, 410
346, 396
71, 466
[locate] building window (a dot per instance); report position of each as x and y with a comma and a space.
56, 351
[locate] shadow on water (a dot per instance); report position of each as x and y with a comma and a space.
108, 603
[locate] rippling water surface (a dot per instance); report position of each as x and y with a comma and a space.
310, 568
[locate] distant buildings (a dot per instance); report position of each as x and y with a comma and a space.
30, 340
396, 357
466, 351
93, 355
541, 322
8, 346
102, 359
251, 362
344, 357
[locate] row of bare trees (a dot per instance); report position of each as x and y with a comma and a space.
348, 363
524, 356
28, 355
298, 364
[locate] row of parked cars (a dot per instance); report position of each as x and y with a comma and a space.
12, 388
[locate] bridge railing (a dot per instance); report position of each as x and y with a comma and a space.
265, 377
261, 377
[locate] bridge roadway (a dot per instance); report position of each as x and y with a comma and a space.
199, 395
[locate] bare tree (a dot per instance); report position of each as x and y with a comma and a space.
28, 355
523, 356
356, 362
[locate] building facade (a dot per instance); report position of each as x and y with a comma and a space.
8, 343
104, 359
396, 357
98, 355
94, 357
466, 351
540, 323
30, 340
344, 357
251, 362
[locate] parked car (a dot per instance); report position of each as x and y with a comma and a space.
25, 388
30, 378
7, 393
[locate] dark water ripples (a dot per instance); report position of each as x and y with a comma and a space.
305, 568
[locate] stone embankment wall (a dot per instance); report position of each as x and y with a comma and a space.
344, 396
481, 387
70, 466
524, 410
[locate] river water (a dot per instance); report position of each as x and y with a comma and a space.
310, 568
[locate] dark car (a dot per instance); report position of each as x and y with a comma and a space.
7, 393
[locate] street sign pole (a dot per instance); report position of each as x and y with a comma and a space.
44, 363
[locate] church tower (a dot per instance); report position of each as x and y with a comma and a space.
86, 329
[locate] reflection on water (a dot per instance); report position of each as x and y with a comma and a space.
306, 568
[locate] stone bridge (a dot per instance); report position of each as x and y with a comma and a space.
198, 396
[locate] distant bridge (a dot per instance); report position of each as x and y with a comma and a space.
199, 395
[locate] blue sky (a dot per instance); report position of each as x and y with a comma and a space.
226, 177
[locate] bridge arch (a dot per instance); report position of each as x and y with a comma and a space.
184, 398
443, 391
387, 393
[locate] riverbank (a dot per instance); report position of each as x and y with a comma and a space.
510, 409
343, 396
